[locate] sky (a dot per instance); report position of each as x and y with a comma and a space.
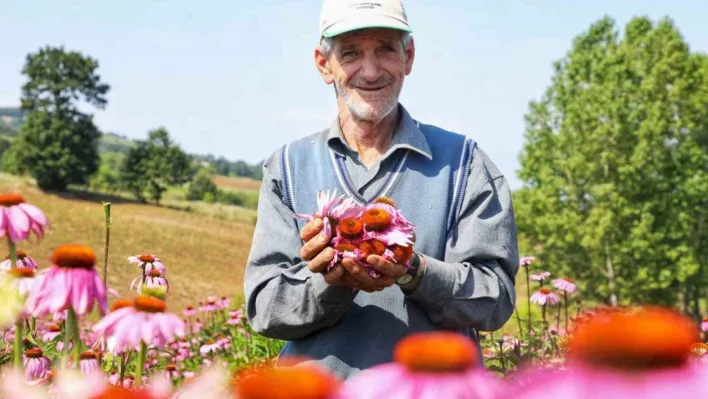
237, 78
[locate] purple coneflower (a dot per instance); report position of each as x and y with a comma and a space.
565, 284
624, 353
382, 221
526, 261
89, 362
52, 332
36, 365
210, 305
152, 279
209, 347
148, 263
540, 276
704, 325
189, 311
426, 365
544, 296
145, 321
18, 219
72, 282
331, 209
24, 261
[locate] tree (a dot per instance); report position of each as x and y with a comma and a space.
154, 164
609, 164
202, 188
57, 143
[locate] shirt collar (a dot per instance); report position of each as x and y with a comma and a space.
407, 135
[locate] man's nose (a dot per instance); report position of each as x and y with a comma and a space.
370, 68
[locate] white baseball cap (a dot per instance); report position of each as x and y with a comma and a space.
340, 16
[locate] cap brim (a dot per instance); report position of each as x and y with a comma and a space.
365, 22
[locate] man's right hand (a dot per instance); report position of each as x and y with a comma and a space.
316, 251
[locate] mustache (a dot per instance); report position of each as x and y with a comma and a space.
367, 84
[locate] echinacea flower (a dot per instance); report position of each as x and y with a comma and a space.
624, 353
540, 276
148, 263
209, 347
526, 261
704, 325
71, 282
565, 284
52, 332
426, 365
152, 279
36, 364
89, 362
301, 382
331, 209
209, 306
544, 296
145, 321
189, 311
382, 221
23, 261
18, 219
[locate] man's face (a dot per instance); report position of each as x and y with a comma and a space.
367, 68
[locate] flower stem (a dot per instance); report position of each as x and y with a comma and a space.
19, 342
68, 331
140, 365
528, 295
107, 209
74, 321
565, 297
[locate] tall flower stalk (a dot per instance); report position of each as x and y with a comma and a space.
18, 347
107, 211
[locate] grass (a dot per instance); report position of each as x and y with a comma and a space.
237, 183
204, 252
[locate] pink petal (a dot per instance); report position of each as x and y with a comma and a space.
18, 226
3, 220
34, 213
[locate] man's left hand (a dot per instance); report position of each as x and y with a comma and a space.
390, 272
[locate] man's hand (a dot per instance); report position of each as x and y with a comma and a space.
390, 272
315, 249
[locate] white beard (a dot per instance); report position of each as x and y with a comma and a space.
364, 111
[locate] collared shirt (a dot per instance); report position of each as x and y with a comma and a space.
470, 285
368, 180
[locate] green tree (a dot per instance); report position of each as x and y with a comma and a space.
58, 144
611, 161
152, 165
202, 187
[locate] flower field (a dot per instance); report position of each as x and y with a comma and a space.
68, 334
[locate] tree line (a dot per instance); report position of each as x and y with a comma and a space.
615, 167
59, 145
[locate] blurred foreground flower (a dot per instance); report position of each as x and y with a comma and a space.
18, 219
623, 353
301, 382
427, 365
11, 304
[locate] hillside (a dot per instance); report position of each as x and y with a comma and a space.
204, 252
11, 119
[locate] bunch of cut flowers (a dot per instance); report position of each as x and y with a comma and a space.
359, 231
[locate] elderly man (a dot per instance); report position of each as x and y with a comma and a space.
466, 255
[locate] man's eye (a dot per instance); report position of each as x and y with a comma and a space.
349, 53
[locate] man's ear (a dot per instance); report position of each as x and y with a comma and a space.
410, 56
323, 66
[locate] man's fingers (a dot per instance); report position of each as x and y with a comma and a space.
315, 246
319, 263
385, 266
334, 276
311, 229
